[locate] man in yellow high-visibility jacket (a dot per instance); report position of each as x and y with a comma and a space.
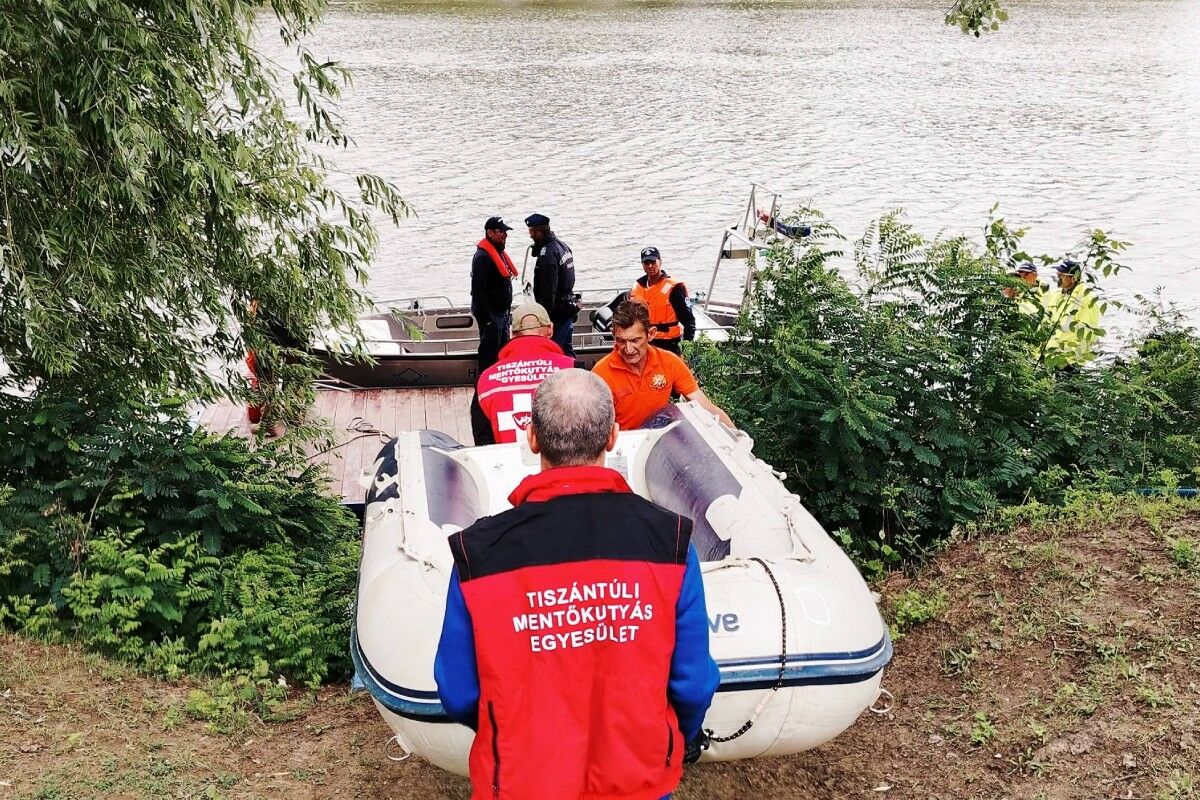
1074, 312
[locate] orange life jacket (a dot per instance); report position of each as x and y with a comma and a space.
500, 258
658, 299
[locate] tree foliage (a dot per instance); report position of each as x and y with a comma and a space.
915, 396
976, 17
171, 548
154, 181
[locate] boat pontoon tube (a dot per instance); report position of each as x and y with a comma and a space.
793, 627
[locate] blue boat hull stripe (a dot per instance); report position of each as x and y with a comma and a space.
394, 688
853, 655
737, 675
389, 699
810, 680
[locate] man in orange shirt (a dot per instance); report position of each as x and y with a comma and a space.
642, 377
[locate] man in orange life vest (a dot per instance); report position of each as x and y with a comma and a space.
670, 315
492, 272
505, 389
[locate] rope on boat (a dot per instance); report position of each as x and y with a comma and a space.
387, 747
712, 737
888, 701
358, 425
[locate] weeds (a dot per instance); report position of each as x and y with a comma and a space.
236, 706
172, 718
913, 608
1185, 554
1155, 697
1076, 699
1179, 786
982, 729
958, 660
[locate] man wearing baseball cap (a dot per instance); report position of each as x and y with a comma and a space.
670, 315
1028, 300
505, 389
492, 273
1073, 310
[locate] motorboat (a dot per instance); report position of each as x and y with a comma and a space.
432, 340
794, 629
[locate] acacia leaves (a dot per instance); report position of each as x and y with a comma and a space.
167, 547
153, 182
915, 395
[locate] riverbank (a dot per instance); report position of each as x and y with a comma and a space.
1057, 659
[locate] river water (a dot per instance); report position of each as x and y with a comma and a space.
634, 123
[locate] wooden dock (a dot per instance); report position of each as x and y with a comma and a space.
363, 420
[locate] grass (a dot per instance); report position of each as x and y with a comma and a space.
1030, 660
1066, 636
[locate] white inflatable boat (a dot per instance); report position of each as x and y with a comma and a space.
798, 638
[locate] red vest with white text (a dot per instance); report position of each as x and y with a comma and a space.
506, 388
572, 600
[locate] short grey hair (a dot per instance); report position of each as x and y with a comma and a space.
572, 417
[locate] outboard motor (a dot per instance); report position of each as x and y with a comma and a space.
602, 319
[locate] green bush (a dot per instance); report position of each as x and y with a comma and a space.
915, 395
168, 547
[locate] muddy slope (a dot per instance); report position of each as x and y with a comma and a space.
1047, 663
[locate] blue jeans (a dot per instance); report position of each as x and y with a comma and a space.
562, 336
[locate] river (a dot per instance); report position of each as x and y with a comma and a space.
634, 123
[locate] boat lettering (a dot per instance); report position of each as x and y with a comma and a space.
728, 622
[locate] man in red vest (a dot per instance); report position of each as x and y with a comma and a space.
505, 389
671, 317
492, 273
575, 640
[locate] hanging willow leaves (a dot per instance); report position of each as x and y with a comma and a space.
976, 16
154, 182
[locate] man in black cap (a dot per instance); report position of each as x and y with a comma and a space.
554, 279
667, 300
492, 273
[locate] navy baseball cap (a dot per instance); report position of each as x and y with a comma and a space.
1025, 268
537, 220
650, 254
1068, 266
496, 224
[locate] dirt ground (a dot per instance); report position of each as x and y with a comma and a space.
1049, 663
